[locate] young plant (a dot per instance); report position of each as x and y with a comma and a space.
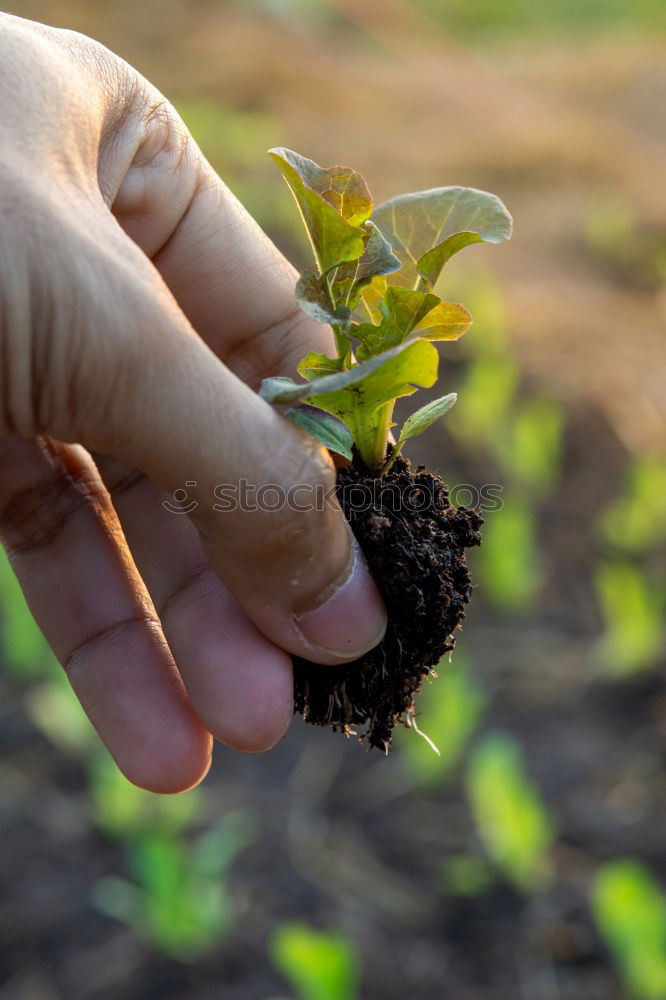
179, 901
374, 279
512, 821
319, 965
373, 282
629, 909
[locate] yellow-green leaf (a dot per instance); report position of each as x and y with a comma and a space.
344, 189
511, 818
389, 367
318, 965
630, 911
405, 312
317, 365
348, 281
445, 321
382, 379
372, 296
334, 239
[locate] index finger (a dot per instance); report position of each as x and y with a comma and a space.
230, 280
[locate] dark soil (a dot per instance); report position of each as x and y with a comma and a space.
414, 541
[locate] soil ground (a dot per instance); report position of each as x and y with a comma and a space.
414, 542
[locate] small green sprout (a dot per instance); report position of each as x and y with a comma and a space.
319, 965
179, 899
512, 821
630, 911
373, 284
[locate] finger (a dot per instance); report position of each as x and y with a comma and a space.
239, 683
233, 284
67, 551
139, 384
238, 292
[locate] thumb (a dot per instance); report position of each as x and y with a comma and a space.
147, 390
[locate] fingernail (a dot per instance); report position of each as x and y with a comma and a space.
351, 621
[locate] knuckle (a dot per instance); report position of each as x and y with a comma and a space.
163, 140
36, 508
119, 479
168, 134
163, 173
111, 634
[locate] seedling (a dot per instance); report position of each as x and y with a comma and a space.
374, 284
375, 274
180, 901
630, 911
319, 965
511, 819
633, 609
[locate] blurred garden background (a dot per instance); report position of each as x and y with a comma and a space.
528, 861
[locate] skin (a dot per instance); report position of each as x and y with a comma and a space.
132, 338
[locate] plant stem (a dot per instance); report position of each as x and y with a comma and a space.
388, 465
342, 341
371, 436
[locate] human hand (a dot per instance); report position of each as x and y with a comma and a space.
117, 243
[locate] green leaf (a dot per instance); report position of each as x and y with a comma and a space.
632, 606
633, 522
324, 427
425, 229
318, 965
403, 312
273, 389
346, 191
372, 296
509, 562
363, 395
378, 257
314, 298
342, 188
334, 238
366, 405
214, 851
511, 818
630, 912
403, 309
420, 361
349, 280
317, 365
445, 321
422, 419
380, 380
